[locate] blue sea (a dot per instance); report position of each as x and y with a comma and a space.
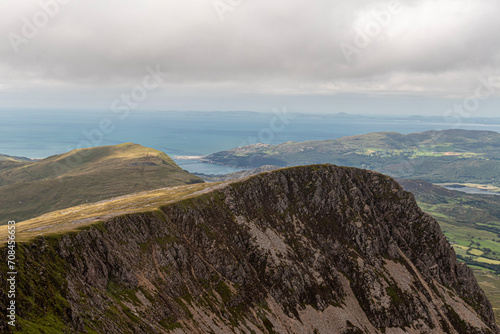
38, 134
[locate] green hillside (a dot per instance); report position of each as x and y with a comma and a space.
438, 156
31, 188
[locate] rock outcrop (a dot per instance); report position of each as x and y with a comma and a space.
316, 249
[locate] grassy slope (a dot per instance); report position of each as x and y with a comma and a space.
31, 188
472, 224
437, 156
74, 218
490, 283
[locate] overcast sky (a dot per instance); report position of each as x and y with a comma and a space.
318, 56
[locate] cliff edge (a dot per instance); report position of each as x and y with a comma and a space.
315, 249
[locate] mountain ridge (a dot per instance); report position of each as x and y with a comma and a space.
31, 188
5, 157
315, 249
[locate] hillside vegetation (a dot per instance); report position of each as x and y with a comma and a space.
438, 156
317, 249
78, 217
31, 188
472, 225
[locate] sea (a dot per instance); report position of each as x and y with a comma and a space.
187, 134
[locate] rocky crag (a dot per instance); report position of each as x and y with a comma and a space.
317, 249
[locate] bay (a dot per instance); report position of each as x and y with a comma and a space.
41, 133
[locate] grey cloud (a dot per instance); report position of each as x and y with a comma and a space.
260, 46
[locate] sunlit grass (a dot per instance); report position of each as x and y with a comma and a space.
73, 218
85, 176
476, 252
485, 260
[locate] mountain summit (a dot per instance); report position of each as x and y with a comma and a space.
31, 188
317, 249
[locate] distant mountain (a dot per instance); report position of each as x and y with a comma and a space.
4, 157
306, 250
30, 188
436, 156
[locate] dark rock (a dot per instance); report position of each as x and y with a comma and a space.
317, 249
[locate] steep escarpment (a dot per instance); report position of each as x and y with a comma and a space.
317, 249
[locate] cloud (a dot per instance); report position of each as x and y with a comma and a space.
428, 47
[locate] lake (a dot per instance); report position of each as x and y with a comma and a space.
470, 190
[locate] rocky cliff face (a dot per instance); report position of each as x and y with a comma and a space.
316, 249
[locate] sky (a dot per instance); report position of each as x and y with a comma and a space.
360, 56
